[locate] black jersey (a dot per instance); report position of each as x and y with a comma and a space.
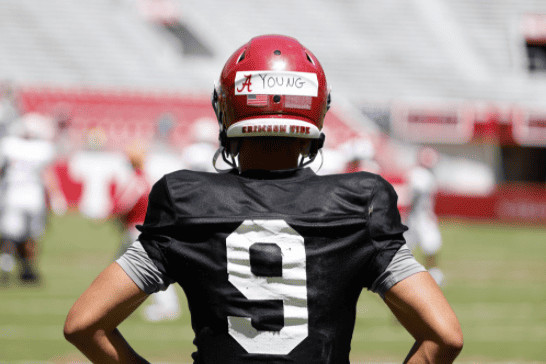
272, 263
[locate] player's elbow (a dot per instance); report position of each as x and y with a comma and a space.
75, 332
71, 331
452, 342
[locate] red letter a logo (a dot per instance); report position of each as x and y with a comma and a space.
246, 84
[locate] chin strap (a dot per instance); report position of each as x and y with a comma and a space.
233, 163
303, 164
223, 152
226, 156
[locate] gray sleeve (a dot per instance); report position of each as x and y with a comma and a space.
402, 265
138, 265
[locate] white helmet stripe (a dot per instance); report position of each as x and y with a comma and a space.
282, 127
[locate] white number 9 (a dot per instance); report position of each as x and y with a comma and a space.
291, 288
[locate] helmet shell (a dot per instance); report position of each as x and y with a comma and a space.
272, 86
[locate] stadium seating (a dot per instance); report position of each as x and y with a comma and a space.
371, 51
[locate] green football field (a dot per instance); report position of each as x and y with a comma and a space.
496, 284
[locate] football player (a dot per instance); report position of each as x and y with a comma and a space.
129, 208
424, 232
272, 257
23, 211
131, 198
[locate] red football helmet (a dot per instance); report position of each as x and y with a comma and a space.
272, 86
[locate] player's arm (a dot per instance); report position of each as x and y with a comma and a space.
53, 186
407, 288
92, 322
420, 306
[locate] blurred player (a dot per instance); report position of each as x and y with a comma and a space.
198, 155
131, 198
360, 153
25, 155
129, 208
162, 157
8, 109
59, 183
272, 257
331, 161
98, 169
424, 232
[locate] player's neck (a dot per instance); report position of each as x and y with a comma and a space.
267, 161
271, 155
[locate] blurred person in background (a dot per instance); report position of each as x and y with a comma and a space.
130, 199
198, 155
331, 160
59, 183
360, 153
25, 154
163, 157
98, 168
8, 115
129, 209
8, 108
424, 232
272, 257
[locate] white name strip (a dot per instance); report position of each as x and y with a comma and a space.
276, 83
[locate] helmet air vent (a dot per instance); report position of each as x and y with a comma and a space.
310, 59
241, 57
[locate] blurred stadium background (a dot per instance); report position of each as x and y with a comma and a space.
465, 77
